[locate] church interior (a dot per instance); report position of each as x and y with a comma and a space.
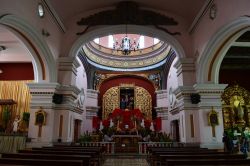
124, 82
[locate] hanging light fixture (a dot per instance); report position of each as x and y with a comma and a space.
126, 45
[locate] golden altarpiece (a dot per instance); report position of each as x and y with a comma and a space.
141, 100
236, 107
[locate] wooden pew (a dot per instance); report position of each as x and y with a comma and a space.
41, 162
84, 158
162, 159
208, 162
95, 158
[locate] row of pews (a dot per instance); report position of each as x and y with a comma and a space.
191, 156
55, 156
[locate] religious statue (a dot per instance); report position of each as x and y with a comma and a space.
152, 127
16, 123
238, 111
101, 126
142, 123
123, 104
111, 124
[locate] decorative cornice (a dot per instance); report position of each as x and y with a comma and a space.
185, 65
91, 112
91, 93
210, 88
137, 62
68, 89
163, 91
68, 107
68, 64
161, 94
42, 88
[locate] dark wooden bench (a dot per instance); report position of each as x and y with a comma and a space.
208, 162
31, 162
95, 157
84, 158
162, 159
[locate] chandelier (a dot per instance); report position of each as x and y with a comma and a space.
126, 45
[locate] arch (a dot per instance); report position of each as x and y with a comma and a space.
145, 30
210, 60
43, 61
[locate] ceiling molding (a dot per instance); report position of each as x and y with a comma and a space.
54, 15
241, 44
199, 16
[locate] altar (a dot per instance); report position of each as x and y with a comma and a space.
126, 143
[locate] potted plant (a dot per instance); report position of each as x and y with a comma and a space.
26, 118
6, 116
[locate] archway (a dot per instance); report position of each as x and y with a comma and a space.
211, 59
136, 29
42, 58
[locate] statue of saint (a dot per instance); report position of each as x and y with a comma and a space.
101, 126
111, 124
142, 123
16, 123
152, 127
238, 110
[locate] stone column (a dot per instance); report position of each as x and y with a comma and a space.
182, 109
210, 97
67, 70
162, 109
66, 113
188, 115
42, 94
185, 71
91, 108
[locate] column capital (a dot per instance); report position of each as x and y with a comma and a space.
210, 95
68, 64
182, 94
184, 64
91, 111
212, 88
91, 93
162, 112
42, 94
161, 94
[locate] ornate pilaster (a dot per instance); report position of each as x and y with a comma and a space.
185, 71
70, 94
91, 108
210, 99
162, 107
42, 94
67, 112
67, 70
188, 115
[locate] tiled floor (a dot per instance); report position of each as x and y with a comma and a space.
125, 162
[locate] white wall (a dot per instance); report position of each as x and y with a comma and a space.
81, 82
172, 82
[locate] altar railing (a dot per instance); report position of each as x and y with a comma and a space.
144, 145
109, 146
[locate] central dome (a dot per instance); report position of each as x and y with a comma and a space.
126, 52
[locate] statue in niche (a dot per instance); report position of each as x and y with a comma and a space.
238, 111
